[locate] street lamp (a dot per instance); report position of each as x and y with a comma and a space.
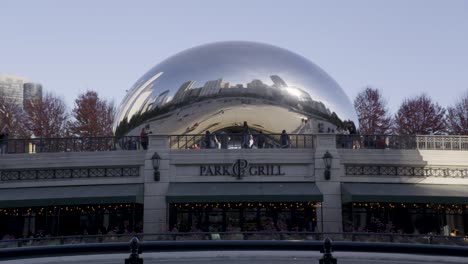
327, 160
156, 159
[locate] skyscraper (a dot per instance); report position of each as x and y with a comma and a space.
11, 88
18, 89
32, 91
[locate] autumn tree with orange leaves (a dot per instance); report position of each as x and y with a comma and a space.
93, 116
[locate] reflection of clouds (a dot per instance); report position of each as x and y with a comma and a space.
237, 63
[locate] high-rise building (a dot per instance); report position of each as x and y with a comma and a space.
11, 88
18, 89
32, 91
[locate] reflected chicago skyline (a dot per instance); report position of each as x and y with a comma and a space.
219, 86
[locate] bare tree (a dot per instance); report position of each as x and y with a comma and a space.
457, 117
13, 116
93, 116
420, 116
372, 112
47, 117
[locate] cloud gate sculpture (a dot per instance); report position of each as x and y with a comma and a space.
220, 86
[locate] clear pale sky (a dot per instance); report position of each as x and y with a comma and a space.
402, 47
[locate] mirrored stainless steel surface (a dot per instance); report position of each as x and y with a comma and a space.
218, 86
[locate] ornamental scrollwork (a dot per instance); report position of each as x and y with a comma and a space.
389, 170
68, 173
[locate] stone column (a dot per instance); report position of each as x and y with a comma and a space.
329, 216
155, 207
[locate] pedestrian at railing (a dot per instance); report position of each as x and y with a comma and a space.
4, 134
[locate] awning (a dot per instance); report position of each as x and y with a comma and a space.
71, 195
404, 193
243, 192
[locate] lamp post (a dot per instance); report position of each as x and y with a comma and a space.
327, 160
156, 159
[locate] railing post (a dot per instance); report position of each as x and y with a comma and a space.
327, 253
134, 258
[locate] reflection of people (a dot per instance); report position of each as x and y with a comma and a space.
454, 232
195, 146
284, 139
245, 135
224, 140
4, 140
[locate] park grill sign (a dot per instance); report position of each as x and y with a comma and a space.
241, 168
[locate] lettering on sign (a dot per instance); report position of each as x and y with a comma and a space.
241, 168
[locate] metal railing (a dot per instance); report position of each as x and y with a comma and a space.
284, 236
239, 141
72, 144
136, 247
424, 142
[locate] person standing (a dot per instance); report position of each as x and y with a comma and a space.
260, 140
144, 138
284, 139
245, 136
224, 139
207, 140
4, 140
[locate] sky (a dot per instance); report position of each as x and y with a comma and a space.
402, 47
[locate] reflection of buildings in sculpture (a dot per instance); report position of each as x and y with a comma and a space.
142, 100
212, 87
192, 94
256, 83
182, 92
320, 107
277, 81
278, 92
161, 100
295, 94
130, 105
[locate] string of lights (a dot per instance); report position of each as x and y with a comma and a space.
54, 210
276, 205
436, 207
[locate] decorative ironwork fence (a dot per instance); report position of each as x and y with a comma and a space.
425, 142
68, 173
238, 141
389, 170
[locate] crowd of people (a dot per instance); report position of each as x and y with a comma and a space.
246, 139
